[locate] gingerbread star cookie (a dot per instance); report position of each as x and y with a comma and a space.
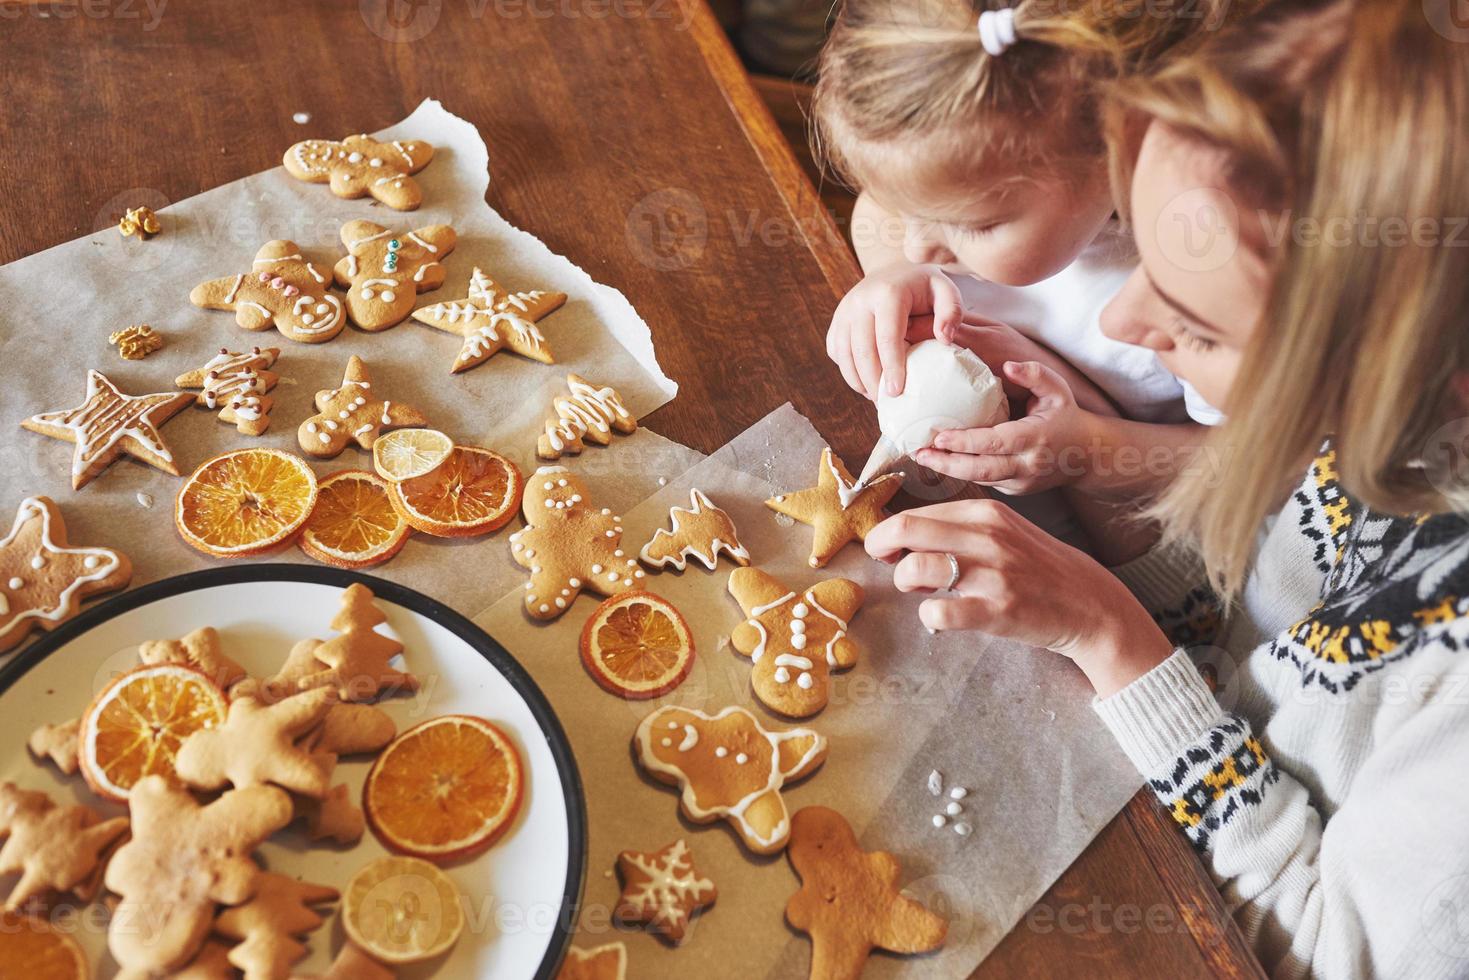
183, 859
662, 889
384, 271
702, 531
353, 413
271, 922
849, 902
794, 640
281, 289
588, 413
256, 746
53, 848
835, 509
43, 579
110, 424
492, 319
236, 384
729, 767
607, 962
201, 650
568, 545
360, 166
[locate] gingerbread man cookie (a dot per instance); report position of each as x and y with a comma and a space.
702, 531
588, 413
794, 641
199, 649
568, 545
110, 424
607, 962
384, 272
43, 579
360, 166
59, 744
281, 289
53, 848
850, 902
837, 510
236, 384
729, 767
182, 860
353, 413
256, 746
662, 889
269, 925
492, 319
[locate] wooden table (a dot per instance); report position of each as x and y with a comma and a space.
626, 135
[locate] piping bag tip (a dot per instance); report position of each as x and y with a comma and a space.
884, 455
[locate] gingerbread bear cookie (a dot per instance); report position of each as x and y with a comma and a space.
383, 272
837, 510
662, 889
111, 423
492, 319
729, 767
43, 579
568, 545
588, 413
54, 848
793, 640
256, 747
199, 649
182, 861
850, 902
235, 384
281, 289
701, 531
360, 166
353, 412
269, 926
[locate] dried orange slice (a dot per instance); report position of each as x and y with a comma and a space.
405, 453
637, 646
402, 910
474, 491
445, 789
33, 948
245, 502
353, 524
135, 726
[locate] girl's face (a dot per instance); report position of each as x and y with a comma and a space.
1200, 289
1014, 229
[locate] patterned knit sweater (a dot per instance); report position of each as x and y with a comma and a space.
1311, 743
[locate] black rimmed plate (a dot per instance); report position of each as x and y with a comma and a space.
519, 897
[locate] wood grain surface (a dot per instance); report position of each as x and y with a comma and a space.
626, 135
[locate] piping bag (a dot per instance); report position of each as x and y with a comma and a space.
947, 388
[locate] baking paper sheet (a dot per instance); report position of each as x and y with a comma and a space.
1011, 725
57, 308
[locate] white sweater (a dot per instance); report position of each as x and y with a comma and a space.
1320, 775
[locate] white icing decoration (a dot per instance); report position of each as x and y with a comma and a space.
16, 583
939, 820
413, 236
698, 505
958, 793
953, 809
106, 564
671, 884
690, 738
97, 426
588, 409
355, 244
229, 297
935, 782
38, 563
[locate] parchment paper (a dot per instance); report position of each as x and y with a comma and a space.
1011, 725
57, 308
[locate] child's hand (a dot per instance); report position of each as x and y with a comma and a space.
1046, 448
875, 322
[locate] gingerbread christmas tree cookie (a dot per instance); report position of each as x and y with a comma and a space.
729, 767
357, 661
836, 510
795, 640
492, 319
587, 413
43, 579
360, 166
270, 924
568, 545
384, 271
282, 289
701, 531
355, 412
235, 384
662, 889
110, 424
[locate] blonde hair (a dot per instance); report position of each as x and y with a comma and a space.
897, 69
1320, 111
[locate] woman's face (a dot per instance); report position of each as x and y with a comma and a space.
1199, 291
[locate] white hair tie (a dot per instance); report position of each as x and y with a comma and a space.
997, 30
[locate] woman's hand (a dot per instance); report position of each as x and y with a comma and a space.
889, 309
1018, 582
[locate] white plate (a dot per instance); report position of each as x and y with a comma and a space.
518, 896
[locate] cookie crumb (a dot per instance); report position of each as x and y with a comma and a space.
145, 500
963, 829
935, 782
953, 809
958, 793
939, 819
301, 118
663, 481
785, 520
